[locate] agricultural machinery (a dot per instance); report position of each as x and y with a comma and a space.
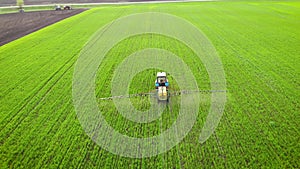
59, 8
162, 92
162, 87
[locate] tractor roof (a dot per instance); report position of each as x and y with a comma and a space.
161, 74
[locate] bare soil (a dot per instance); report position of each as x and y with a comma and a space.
16, 25
40, 2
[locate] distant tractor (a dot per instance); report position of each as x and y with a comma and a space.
67, 8
20, 4
21, 10
57, 7
162, 87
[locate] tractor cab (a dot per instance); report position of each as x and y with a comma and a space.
162, 85
161, 80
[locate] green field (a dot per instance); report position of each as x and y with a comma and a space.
258, 44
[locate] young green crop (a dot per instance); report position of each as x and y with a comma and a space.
256, 41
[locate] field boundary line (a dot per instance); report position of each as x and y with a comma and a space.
112, 3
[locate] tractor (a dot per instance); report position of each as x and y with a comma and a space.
162, 87
57, 7
67, 7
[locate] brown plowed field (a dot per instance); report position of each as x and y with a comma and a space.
16, 25
40, 2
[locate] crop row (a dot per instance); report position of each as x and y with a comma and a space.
39, 127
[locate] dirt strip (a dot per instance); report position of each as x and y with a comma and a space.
16, 25
42, 2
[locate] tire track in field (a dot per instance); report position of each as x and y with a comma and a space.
35, 93
162, 140
244, 36
29, 135
67, 29
251, 118
64, 157
23, 80
262, 41
33, 21
65, 149
118, 15
252, 66
207, 27
65, 125
51, 127
232, 135
40, 90
179, 156
247, 61
60, 115
220, 147
28, 59
30, 96
90, 150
